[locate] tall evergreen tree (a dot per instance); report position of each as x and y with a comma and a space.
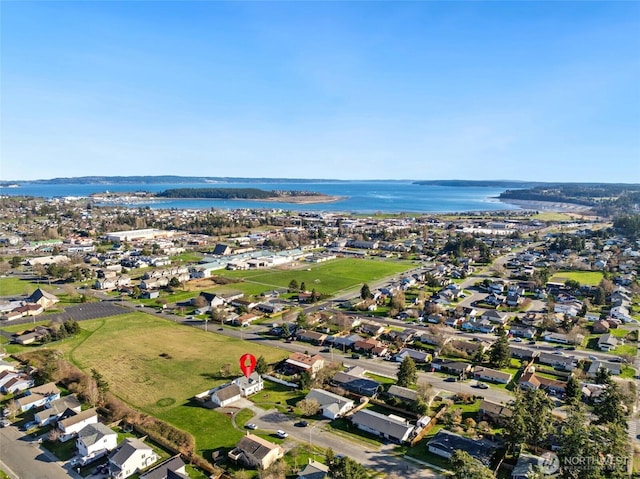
531, 421
407, 373
464, 466
346, 468
573, 391
261, 365
365, 292
610, 407
302, 321
499, 353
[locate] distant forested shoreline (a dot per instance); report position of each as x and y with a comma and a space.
166, 179
603, 198
233, 193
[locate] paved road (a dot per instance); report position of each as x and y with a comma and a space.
22, 458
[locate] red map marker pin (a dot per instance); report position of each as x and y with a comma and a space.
247, 364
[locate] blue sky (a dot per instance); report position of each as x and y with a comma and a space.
546, 91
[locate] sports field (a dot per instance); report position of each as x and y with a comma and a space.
157, 366
587, 278
327, 278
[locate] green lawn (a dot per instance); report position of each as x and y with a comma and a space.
385, 381
62, 450
248, 288
12, 286
344, 428
17, 328
194, 473
589, 278
243, 417
625, 350
619, 332
468, 410
420, 451
328, 277
278, 396
211, 429
628, 373
188, 257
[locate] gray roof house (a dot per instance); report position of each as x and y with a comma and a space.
256, 452
488, 374
494, 316
174, 467
356, 383
75, 422
249, 385
417, 356
131, 456
332, 405
96, 440
404, 394
607, 342
389, 427
614, 368
314, 470
56, 408
226, 394
445, 443
568, 363
526, 465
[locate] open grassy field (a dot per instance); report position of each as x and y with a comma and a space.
590, 278
126, 350
157, 366
13, 286
553, 216
328, 277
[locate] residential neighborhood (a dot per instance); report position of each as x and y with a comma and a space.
433, 356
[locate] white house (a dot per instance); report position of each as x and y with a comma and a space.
389, 427
614, 368
225, 394
73, 424
607, 342
6, 366
488, 374
131, 456
11, 383
55, 409
39, 396
332, 405
249, 385
95, 440
494, 316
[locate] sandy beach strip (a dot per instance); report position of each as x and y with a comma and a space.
549, 206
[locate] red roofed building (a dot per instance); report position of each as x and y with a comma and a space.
304, 362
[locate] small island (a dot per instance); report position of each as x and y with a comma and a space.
256, 194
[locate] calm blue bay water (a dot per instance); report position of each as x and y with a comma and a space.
359, 196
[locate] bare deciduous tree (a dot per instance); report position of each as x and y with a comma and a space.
12, 409
91, 393
309, 407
